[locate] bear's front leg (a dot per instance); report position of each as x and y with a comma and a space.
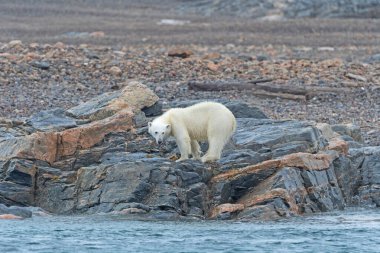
184, 146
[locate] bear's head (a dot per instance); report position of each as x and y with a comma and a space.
160, 131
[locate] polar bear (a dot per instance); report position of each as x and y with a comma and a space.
205, 121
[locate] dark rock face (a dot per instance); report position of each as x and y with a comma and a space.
100, 159
368, 191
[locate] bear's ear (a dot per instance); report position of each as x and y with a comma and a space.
168, 126
150, 124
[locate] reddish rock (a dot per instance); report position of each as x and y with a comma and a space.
116, 116
97, 34
134, 96
71, 140
10, 217
212, 56
233, 174
338, 145
116, 71
59, 45
41, 146
226, 208
307, 161
31, 56
253, 199
212, 66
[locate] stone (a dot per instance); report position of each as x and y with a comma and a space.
368, 191
278, 137
238, 108
16, 212
279, 10
51, 120
226, 208
212, 56
339, 145
326, 131
97, 34
212, 66
15, 43
261, 58
39, 145
40, 64
134, 96
60, 45
15, 194
243, 110
375, 58
19, 171
181, 53
356, 77
154, 110
116, 71
349, 129
10, 217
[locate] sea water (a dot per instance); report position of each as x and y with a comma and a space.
348, 231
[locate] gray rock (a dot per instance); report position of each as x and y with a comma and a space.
51, 120
301, 191
243, 110
281, 9
350, 130
16, 210
369, 184
239, 158
19, 171
262, 57
93, 106
277, 137
15, 194
238, 108
373, 58
154, 110
40, 64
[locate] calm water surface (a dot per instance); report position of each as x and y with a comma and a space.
351, 231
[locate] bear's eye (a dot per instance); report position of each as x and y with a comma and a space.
155, 132
163, 132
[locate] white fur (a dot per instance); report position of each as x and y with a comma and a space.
206, 121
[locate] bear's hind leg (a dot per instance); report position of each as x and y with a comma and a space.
214, 151
195, 150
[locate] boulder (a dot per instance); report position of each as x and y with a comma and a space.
238, 108
51, 120
16, 211
135, 96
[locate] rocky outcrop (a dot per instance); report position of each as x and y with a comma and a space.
98, 158
280, 9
